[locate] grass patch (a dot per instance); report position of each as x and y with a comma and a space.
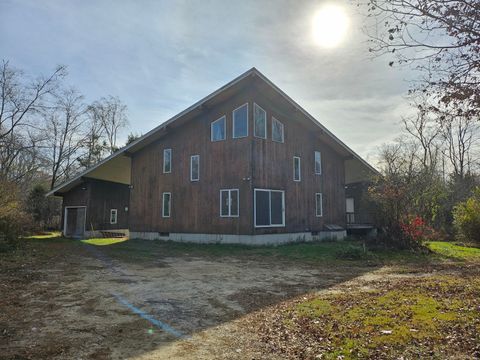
47, 235
436, 317
454, 251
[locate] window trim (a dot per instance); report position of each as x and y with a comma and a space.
113, 211
164, 152
224, 118
254, 124
191, 168
315, 162
299, 169
169, 204
229, 191
283, 130
270, 208
321, 204
233, 122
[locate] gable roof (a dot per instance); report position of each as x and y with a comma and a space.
122, 156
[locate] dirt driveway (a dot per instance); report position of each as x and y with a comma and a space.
66, 300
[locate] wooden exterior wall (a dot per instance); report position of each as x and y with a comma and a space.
99, 197
243, 164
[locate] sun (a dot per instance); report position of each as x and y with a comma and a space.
330, 26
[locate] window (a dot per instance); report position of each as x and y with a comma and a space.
318, 204
260, 122
218, 129
318, 163
194, 167
229, 203
269, 208
166, 204
113, 216
240, 122
296, 169
167, 161
277, 130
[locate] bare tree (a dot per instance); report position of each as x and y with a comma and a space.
442, 38
112, 114
64, 127
95, 144
21, 102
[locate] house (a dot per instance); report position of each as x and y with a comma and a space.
246, 164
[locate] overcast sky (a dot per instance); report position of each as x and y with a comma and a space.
160, 57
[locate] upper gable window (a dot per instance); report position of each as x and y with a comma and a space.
260, 122
277, 130
240, 122
167, 161
218, 129
318, 163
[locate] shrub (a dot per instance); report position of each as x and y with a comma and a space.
466, 218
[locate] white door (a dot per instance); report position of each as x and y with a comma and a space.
350, 205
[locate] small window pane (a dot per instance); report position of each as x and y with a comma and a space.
195, 168
318, 204
218, 129
167, 160
260, 116
240, 122
113, 216
277, 130
262, 208
224, 202
277, 208
296, 168
234, 203
166, 204
318, 162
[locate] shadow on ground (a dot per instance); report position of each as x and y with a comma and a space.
67, 299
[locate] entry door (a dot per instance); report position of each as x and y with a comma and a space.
75, 221
269, 208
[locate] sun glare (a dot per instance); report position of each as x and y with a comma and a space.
330, 25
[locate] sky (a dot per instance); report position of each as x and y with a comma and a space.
160, 57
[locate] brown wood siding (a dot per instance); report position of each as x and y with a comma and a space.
99, 197
228, 165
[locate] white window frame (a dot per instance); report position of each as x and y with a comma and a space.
191, 168
169, 204
113, 211
254, 122
319, 172
224, 119
283, 130
229, 191
299, 169
165, 151
233, 122
270, 213
321, 205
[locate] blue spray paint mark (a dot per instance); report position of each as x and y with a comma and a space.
118, 271
151, 319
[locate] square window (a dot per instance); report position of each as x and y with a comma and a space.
269, 208
229, 203
240, 122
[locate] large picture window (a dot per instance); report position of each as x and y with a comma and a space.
277, 131
296, 169
166, 204
218, 129
260, 122
318, 163
167, 161
195, 168
240, 122
269, 208
229, 203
